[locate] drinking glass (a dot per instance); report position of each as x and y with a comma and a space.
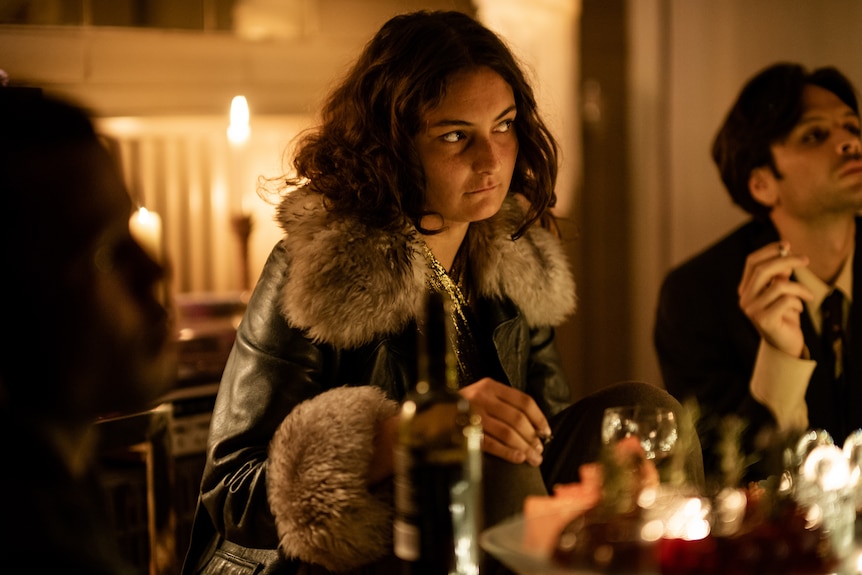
655, 428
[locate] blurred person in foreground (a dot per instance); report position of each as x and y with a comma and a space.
738, 326
86, 336
431, 170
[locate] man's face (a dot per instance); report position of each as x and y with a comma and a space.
820, 161
115, 326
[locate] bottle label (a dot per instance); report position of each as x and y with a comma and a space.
437, 504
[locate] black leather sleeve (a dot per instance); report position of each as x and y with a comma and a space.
271, 369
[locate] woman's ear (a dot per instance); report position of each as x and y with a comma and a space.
762, 185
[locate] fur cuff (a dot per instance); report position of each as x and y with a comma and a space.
316, 480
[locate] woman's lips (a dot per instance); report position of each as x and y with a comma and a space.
485, 189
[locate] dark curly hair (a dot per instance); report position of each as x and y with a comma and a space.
361, 157
766, 111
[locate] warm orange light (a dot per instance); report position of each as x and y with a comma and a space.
146, 228
238, 131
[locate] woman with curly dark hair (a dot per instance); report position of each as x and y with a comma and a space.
363, 159
431, 169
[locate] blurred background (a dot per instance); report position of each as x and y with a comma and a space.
634, 90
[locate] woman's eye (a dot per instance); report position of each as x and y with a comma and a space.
453, 137
854, 129
505, 125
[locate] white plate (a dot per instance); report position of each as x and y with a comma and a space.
505, 541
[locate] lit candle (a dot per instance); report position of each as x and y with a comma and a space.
146, 228
238, 131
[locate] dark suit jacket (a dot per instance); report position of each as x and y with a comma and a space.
706, 345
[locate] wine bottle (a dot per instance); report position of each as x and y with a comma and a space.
438, 461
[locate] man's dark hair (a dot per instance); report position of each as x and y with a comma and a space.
765, 112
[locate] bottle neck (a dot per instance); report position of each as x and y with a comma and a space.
437, 366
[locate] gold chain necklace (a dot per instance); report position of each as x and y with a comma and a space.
462, 342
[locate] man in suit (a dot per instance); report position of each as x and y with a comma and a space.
738, 326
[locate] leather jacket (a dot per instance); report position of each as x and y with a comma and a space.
325, 350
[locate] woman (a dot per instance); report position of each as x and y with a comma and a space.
431, 169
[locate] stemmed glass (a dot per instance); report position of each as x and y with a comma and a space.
655, 428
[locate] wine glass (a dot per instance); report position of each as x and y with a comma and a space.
655, 428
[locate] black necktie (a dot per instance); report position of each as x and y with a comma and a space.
832, 312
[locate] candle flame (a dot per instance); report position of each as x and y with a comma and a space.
146, 227
238, 131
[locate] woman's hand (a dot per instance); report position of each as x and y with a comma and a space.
771, 300
514, 427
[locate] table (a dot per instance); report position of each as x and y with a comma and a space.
505, 541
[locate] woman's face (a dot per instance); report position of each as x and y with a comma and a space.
467, 147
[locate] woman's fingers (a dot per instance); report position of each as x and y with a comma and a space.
513, 424
500, 440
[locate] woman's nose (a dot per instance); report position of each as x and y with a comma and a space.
487, 158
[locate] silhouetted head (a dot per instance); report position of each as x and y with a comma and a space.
86, 332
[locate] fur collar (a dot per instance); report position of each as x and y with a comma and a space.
349, 283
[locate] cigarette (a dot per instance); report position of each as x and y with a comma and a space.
782, 250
